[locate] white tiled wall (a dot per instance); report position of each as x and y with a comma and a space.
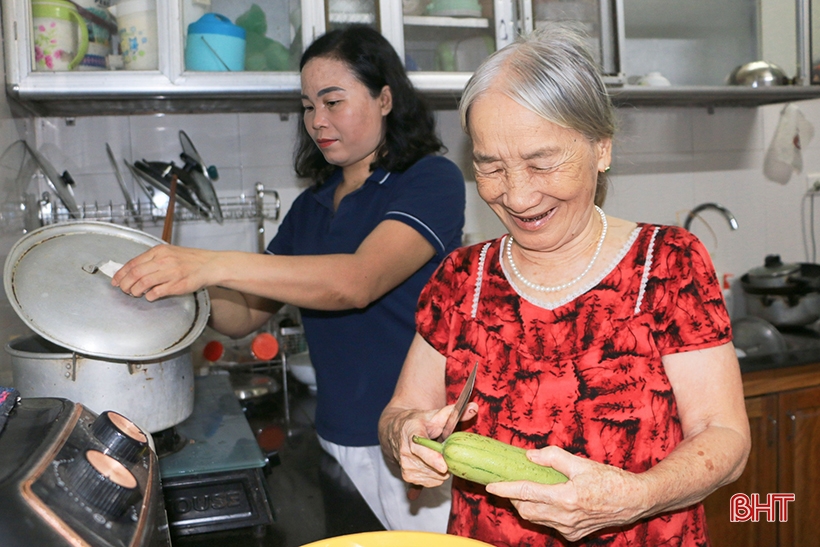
11, 129
714, 158
666, 161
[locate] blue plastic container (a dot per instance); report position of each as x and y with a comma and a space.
215, 44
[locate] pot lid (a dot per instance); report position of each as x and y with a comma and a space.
54, 282
773, 268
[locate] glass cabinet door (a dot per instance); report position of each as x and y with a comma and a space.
814, 40
241, 35
700, 42
452, 35
600, 20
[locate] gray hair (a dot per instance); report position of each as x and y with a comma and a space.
552, 73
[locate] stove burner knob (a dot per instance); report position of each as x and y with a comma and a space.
122, 438
102, 482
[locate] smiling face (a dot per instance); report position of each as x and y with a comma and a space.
538, 177
344, 120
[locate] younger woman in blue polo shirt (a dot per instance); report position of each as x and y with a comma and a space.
353, 253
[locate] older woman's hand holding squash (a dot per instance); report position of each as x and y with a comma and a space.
601, 496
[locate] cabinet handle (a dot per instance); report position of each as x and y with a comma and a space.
771, 437
503, 31
793, 425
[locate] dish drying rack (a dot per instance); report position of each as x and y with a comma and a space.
241, 207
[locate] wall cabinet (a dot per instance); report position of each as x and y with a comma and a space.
441, 41
785, 449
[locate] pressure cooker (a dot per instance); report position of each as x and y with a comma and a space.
784, 294
92, 343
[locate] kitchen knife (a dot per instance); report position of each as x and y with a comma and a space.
414, 491
460, 406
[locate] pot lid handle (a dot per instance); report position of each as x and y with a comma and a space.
773, 261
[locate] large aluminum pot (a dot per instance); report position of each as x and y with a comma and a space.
784, 310
96, 345
785, 295
154, 394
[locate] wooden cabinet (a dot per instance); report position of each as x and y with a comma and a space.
798, 469
760, 476
784, 415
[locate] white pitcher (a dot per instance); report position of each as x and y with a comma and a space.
60, 35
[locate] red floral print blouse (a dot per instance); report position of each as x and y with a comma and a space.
585, 375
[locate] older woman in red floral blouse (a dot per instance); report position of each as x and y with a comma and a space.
603, 345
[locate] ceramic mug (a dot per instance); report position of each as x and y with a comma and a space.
137, 23
60, 35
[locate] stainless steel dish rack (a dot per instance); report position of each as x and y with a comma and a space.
241, 207
260, 206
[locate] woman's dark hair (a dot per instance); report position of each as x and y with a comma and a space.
411, 127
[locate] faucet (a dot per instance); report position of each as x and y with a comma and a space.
730, 218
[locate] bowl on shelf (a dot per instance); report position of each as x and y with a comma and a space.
301, 368
454, 8
758, 74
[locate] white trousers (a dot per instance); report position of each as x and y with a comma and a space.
379, 482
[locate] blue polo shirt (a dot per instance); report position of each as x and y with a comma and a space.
358, 354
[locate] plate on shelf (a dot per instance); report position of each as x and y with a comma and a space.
456, 13
454, 8
352, 18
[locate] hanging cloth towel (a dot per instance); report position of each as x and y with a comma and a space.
784, 156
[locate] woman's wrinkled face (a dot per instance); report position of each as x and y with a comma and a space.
344, 120
537, 176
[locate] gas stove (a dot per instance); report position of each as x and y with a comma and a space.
70, 477
213, 473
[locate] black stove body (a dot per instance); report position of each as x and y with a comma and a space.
70, 477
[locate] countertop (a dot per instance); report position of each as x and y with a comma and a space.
310, 495
775, 361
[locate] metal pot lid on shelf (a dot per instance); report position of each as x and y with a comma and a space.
53, 281
56, 181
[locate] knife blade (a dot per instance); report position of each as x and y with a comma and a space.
460, 406
414, 490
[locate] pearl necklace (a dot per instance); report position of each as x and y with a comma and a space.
562, 286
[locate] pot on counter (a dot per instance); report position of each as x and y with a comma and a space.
784, 294
154, 394
95, 344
